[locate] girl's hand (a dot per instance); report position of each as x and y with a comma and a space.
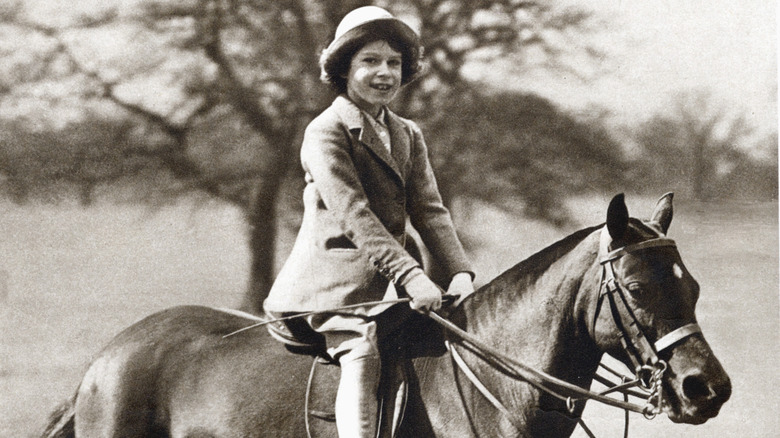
426, 296
461, 286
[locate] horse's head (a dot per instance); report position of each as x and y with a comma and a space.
645, 315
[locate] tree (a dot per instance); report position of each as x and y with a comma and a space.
534, 154
694, 147
751, 178
74, 158
192, 77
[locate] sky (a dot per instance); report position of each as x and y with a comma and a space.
660, 48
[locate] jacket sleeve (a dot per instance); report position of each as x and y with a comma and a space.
326, 158
428, 214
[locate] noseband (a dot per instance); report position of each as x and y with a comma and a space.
649, 368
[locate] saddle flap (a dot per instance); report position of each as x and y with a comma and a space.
296, 335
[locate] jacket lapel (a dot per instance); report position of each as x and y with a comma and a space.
401, 138
352, 116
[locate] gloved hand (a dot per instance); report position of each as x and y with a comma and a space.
461, 286
426, 296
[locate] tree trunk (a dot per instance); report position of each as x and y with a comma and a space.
262, 220
699, 169
262, 235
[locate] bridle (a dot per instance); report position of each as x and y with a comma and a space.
649, 369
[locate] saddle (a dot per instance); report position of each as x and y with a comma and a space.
419, 336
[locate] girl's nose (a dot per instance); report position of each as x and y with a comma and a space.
384, 68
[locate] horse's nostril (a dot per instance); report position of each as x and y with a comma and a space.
696, 388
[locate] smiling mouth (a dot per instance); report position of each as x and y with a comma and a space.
382, 87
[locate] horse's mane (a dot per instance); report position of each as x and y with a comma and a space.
535, 265
531, 268
501, 291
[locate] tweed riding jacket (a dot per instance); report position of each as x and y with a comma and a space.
356, 201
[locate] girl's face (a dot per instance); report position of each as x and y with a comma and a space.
374, 76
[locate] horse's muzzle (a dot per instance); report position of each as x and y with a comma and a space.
696, 392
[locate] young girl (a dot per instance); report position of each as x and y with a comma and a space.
367, 170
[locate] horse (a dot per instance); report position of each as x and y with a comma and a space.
618, 288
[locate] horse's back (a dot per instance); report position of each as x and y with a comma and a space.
175, 374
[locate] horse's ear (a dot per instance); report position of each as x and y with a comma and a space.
617, 217
662, 215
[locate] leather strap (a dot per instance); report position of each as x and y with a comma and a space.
476, 382
676, 335
652, 243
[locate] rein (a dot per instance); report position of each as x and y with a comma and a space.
304, 314
554, 386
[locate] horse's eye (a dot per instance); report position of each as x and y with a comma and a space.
634, 288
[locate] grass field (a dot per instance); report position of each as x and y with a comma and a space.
72, 278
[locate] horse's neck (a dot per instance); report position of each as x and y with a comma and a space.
533, 316
538, 318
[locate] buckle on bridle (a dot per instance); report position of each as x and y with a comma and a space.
649, 376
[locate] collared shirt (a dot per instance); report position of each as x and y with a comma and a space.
379, 123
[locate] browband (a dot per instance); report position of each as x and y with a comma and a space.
652, 243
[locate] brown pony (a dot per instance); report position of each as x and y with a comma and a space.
620, 289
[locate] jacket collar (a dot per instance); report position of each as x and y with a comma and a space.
354, 119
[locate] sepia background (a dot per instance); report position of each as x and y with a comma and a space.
149, 158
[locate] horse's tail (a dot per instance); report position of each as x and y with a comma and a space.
61, 424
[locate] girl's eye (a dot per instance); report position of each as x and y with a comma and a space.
394, 63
